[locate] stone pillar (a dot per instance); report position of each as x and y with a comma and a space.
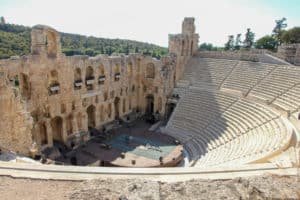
85, 122
64, 130
49, 133
74, 125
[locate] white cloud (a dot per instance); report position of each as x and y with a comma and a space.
148, 21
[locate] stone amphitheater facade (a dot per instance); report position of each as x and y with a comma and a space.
231, 109
47, 96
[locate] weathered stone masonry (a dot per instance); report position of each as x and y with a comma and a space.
52, 97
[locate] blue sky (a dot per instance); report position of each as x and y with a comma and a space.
152, 21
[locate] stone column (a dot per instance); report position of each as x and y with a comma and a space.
64, 130
97, 116
84, 122
74, 124
49, 133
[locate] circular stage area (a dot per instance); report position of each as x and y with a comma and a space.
147, 149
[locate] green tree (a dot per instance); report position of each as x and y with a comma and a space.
291, 36
249, 39
126, 51
238, 41
15, 40
278, 30
266, 42
230, 43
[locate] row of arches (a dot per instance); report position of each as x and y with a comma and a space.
61, 127
53, 79
187, 48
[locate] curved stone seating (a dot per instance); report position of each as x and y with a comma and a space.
246, 75
219, 129
208, 72
277, 84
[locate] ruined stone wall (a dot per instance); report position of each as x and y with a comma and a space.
67, 95
15, 122
183, 45
230, 55
289, 53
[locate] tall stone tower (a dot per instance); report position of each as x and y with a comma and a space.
184, 45
45, 41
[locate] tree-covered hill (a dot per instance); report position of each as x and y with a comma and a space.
15, 40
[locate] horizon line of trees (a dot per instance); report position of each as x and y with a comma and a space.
271, 41
16, 39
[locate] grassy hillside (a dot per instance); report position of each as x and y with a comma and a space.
15, 40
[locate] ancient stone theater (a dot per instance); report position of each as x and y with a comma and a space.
191, 108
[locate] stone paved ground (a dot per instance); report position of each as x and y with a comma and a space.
266, 187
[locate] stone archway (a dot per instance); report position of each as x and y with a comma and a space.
150, 71
91, 116
57, 128
43, 134
150, 104
117, 107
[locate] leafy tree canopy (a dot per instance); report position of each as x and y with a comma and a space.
266, 42
279, 29
249, 39
207, 47
291, 36
15, 40
230, 43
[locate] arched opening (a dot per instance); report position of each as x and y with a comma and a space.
79, 121
101, 113
192, 47
109, 110
91, 116
117, 107
117, 73
53, 82
77, 74
25, 86
89, 78
129, 69
101, 74
77, 78
43, 134
130, 102
101, 70
149, 104
150, 71
69, 124
51, 43
182, 48
105, 96
124, 106
57, 128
